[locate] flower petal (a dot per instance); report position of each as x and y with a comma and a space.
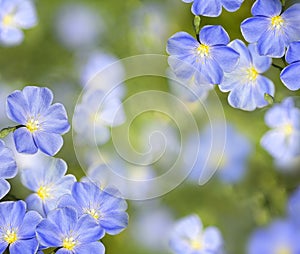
48, 234
26, 246
17, 107
24, 141
11, 36
93, 247
253, 28
232, 6
268, 8
88, 229
290, 76
293, 52
182, 43
272, 44
214, 35
226, 57
48, 143
4, 187
27, 228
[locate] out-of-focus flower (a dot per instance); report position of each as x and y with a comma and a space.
15, 15
229, 159
213, 8
293, 206
72, 234
95, 115
282, 141
105, 206
278, 238
17, 228
78, 26
152, 226
290, 75
189, 237
210, 57
8, 168
246, 84
272, 29
188, 90
102, 71
42, 124
48, 182
149, 28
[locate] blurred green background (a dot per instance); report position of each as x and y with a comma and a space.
236, 209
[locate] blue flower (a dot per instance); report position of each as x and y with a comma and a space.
105, 207
42, 123
63, 229
17, 228
94, 116
49, 183
8, 168
290, 75
293, 206
213, 8
227, 152
246, 84
280, 237
188, 237
14, 16
205, 60
271, 29
282, 142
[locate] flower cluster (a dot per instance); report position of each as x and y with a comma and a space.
61, 213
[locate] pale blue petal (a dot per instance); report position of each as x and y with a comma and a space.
271, 44
88, 230
290, 76
55, 119
212, 8
27, 228
4, 187
49, 234
187, 1
276, 116
182, 43
48, 143
94, 247
65, 251
226, 57
263, 86
292, 19
268, 8
253, 28
261, 63
38, 99
17, 107
114, 222
211, 71
240, 47
274, 142
65, 218
214, 35
8, 166
25, 16
68, 201
11, 36
232, 5
35, 203
293, 52
26, 246
3, 245
213, 239
183, 70
24, 141
17, 213
242, 97
54, 170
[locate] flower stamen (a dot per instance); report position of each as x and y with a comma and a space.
32, 125
10, 236
203, 50
69, 243
277, 22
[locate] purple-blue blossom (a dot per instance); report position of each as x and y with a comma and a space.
17, 228
213, 8
290, 75
48, 182
8, 168
15, 15
280, 237
282, 141
104, 206
63, 229
293, 206
246, 85
206, 60
189, 237
41, 124
272, 29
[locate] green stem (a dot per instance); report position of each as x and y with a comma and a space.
277, 66
4, 132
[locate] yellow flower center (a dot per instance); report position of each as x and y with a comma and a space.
69, 243
277, 22
7, 20
93, 213
43, 192
288, 129
10, 236
32, 125
251, 74
283, 250
203, 50
196, 244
